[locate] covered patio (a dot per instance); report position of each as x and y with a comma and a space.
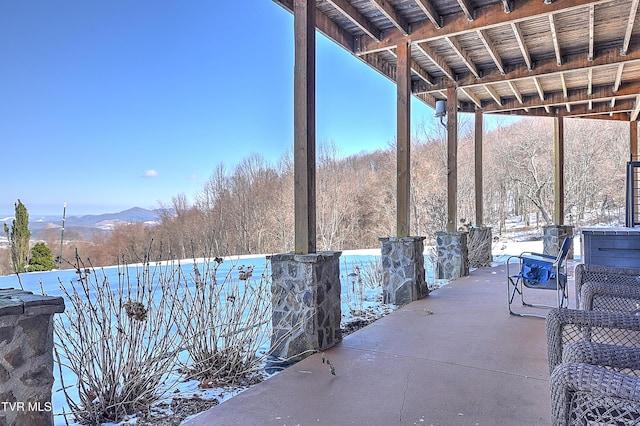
454, 358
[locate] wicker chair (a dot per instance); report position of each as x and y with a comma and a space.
609, 295
594, 360
584, 394
566, 326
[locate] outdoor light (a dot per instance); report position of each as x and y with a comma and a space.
441, 110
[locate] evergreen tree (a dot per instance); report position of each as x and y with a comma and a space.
19, 236
41, 258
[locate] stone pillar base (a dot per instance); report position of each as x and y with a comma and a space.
403, 277
553, 236
453, 256
306, 303
479, 247
26, 344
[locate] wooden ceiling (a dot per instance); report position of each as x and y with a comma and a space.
575, 58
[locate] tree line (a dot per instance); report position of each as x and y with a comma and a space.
248, 209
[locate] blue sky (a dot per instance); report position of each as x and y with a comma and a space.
107, 105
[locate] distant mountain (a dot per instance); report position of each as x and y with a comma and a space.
105, 221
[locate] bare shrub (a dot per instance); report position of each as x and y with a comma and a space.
225, 325
119, 340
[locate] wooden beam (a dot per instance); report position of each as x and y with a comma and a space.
618, 80
478, 167
558, 143
436, 59
490, 16
392, 15
538, 85
493, 94
352, 14
592, 29
599, 94
547, 68
455, 45
630, 23
636, 109
554, 36
523, 47
304, 116
403, 104
589, 81
327, 27
623, 106
452, 160
473, 97
467, 9
431, 13
564, 85
515, 91
484, 37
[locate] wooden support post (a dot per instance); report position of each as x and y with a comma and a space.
403, 77
633, 140
304, 117
478, 166
452, 159
558, 144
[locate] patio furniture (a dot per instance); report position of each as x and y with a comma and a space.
566, 326
594, 360
609, 275
585, 394
538, 271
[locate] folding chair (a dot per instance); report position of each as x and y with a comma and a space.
538, 271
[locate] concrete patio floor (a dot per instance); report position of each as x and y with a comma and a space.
455, 357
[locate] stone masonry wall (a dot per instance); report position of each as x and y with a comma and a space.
403, 275
553, 236
453, 256
26, 357
306, 303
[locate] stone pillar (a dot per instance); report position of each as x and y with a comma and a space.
306, 303
553, 236
403, 278
453, 256
479, 246
26, 357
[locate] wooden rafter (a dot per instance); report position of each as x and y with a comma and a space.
431, 13
564, 85
493, 94
455, 45
554, 36
618, 80
352, 14
517, 32
536, 81
467, 9
600, 94
436, 59
484, 37
473, 97
491, 16
549, 68
507, 6
592, 30
516, 92
392, 15
632, 19
636, 109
